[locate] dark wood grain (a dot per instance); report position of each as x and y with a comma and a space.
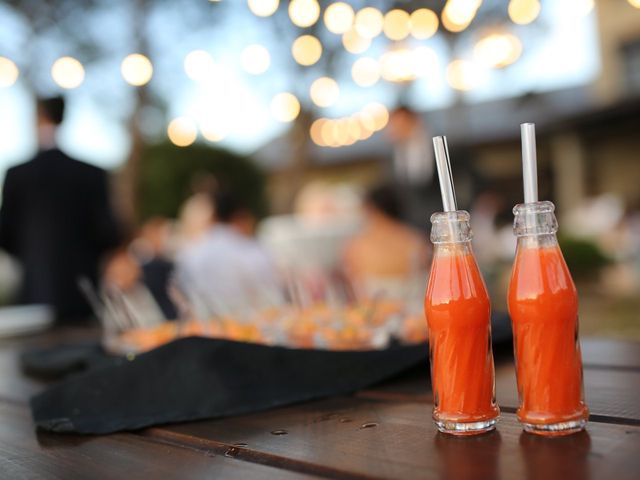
25, 454
405, 444
327, 439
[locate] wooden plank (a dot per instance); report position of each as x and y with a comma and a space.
367, 438
25, 454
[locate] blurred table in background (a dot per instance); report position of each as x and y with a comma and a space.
381, 432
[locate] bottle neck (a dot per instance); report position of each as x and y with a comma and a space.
451, 228
535, 220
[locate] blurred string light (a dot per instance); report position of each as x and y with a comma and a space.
397, 65
405, 65
199, 65
396, 24
8, 72
462, 75
182, 131
634, 3
458, 14
344, 131
355, 43
524, 12
338, 17
263, 8
255, 59
306, 50
213, 130
285, 107
324, 91
67, 72
369, 22
425, 61
136, 69
365, 71
423, 23
498, 50
304, 13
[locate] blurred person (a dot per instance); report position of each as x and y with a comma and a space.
125, 294
227, 268
385, 249
56, 220
413, 165
196, 214
151, 250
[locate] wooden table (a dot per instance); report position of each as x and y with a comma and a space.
383, 432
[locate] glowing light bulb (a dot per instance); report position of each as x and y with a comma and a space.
67, 72
285, 107
182, 131
498, 50
324, 91
304, 13
461, 75
353, 42
306, 50
8, 72
136, 69
423, 23
263, 8
524, 12
396, 24
369, 22
338, 17
365, 71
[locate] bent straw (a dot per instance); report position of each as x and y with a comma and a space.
529, 162
444, 174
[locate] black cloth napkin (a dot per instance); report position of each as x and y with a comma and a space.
196, 378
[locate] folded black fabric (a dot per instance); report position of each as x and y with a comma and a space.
197, 378
52, 363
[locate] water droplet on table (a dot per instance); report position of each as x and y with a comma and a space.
345, 420
279, 432
231, 452
368, 425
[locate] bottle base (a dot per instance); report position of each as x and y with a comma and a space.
555, 429
466, 428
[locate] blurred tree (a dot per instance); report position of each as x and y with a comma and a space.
167, 173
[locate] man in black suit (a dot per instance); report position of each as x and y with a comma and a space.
57, 221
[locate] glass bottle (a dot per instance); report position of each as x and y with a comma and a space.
543, 304
458, 316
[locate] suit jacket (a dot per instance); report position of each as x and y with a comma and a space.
57, 221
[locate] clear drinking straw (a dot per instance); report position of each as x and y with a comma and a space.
444, 174
529, 162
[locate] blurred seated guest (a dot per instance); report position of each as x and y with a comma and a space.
385, 250
227, 269
196, 214
151, 250
128, 302
56, 220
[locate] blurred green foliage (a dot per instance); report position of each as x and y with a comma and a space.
583, 257
167, 173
